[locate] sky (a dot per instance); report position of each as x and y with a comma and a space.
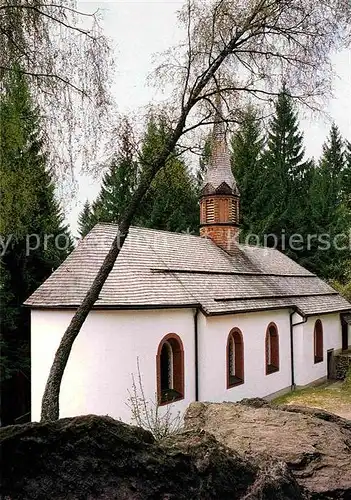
139, 30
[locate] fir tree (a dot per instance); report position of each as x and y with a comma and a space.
171, 202
327, 212
32, 223
332, 167
118, 185
346, 177
348, 154
246, 149
286, 176
172, 199
85, 220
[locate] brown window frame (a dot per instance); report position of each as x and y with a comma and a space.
176, 392
235, 337
318, 341
272, 349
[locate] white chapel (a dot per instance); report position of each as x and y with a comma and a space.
207, 318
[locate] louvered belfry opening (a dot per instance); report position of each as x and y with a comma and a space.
219, 197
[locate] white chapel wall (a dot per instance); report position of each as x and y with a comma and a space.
104, 355
212, 353
307, 370
299, 349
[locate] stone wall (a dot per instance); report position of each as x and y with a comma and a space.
342, 363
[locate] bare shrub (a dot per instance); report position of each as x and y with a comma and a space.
148, 414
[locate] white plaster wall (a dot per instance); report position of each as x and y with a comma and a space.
104, 355
213, 333
306, 370
299, 358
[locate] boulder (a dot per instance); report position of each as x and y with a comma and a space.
315, 445
99, 458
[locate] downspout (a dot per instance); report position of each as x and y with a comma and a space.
292, 325
196, 343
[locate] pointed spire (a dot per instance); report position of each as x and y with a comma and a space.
219, 176
218, 131
220, 197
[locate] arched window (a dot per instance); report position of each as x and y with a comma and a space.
272, 349
318, 341
235, 358
170, 369
166, 367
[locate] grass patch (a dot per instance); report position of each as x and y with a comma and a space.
332, 397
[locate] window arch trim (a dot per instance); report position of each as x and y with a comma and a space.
318, 341
177, 391
272, 348
235, 335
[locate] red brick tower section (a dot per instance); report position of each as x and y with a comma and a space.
220, 197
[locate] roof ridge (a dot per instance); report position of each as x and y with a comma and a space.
166, 231
232, 273
142, 228
150, 229
254, 274
263, 297
104, 224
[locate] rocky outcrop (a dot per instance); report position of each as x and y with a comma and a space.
315, 445
98, 458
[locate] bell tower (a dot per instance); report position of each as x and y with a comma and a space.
219, 196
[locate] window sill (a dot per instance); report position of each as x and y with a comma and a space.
271, 369
234, 381
170, 396
317, 360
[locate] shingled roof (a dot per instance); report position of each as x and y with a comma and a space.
162, 269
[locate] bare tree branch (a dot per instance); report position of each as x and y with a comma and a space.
57, 6
68, 68
51, 76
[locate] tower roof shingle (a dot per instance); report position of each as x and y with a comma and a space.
219, 175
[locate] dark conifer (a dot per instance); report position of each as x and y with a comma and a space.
85, 220
246, 147
32, 225
286, 177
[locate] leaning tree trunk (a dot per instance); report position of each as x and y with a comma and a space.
264, 21
251, 28
50, 401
